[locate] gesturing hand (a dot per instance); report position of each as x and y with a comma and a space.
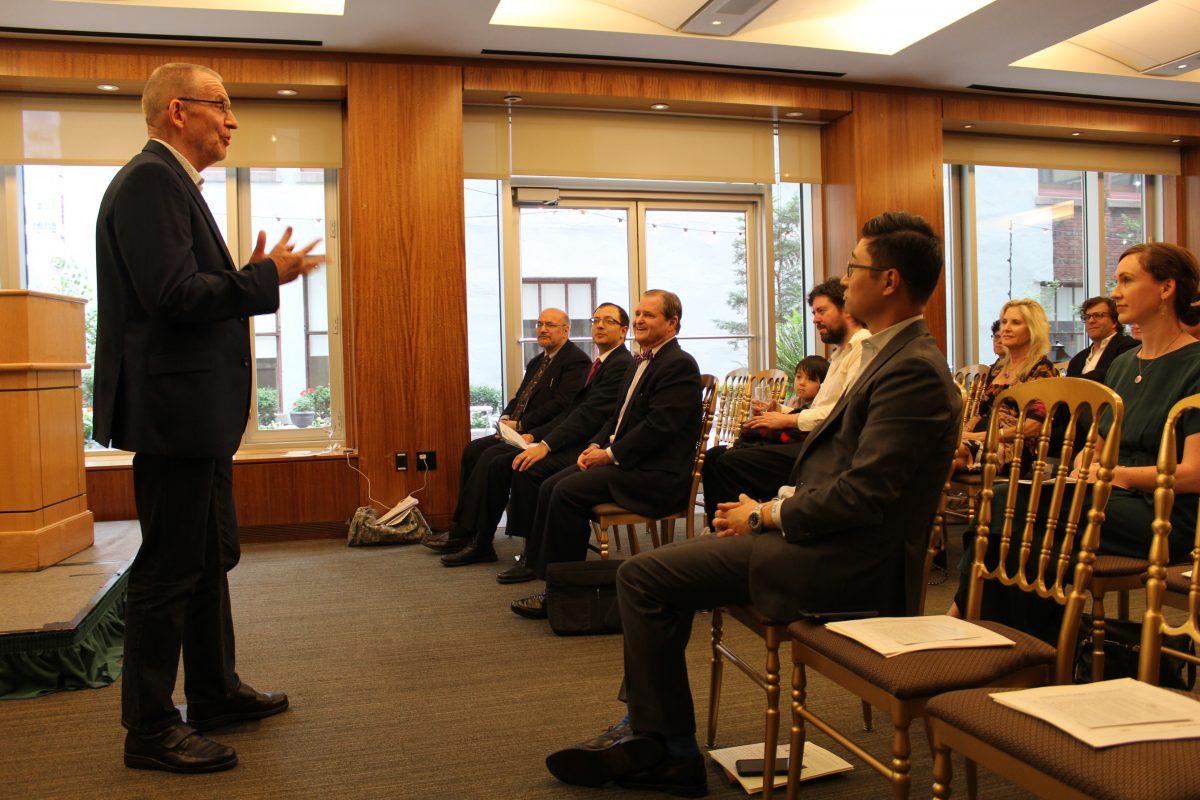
289, 262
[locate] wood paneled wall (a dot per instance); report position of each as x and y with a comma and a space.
886, 155
1187, 200
404, 177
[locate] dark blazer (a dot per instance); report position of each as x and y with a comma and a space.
656, 444
592, 406
554, 392
173, 336
1116, 345
867, 484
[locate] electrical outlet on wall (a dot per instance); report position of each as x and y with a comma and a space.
426, 459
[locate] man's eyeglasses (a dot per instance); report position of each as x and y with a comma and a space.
851, 266
1095, 316
604, 321
540, 324
225, 106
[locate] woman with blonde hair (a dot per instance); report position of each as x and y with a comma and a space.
1025, 335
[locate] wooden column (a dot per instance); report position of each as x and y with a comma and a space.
1187, 200
885, 155
44, 516
404, 177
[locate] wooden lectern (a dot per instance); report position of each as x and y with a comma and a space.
44, 515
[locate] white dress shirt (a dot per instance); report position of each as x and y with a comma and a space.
1097, 350
183, 162
842, 365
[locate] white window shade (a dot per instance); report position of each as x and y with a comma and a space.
485, 143
110, 131
800, 153
590, 144
1000, 151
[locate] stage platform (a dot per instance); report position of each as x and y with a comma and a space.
63, 627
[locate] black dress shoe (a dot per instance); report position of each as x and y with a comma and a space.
679, 778
517, 573
444, 543
177, 749
243, 704
471, 554
532, 607
611, 755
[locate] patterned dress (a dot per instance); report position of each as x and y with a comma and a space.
1008, 412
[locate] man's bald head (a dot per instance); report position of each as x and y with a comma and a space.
168, 82
553, 328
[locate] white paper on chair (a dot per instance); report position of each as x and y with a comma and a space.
892, 636
512, 437
1110, 713
1187, 574
818, 762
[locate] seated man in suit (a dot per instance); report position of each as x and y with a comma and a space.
759, 471
848, 534
1107, 339
482, 501
641, 458
551, 380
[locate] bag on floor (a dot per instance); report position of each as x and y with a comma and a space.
581, 598
366, 530
1122, 646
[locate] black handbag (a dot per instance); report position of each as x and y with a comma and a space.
1122, 645
581, 598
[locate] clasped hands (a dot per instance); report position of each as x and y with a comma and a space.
768, 415
289, 262
733, 519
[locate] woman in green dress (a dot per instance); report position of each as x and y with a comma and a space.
1156, 284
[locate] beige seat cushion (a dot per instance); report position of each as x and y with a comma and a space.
1118, 566
1175, 580
609, 510
1151, 770
932, 671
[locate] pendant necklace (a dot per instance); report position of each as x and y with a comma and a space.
1138, 379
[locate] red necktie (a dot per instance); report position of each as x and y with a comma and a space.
592, 371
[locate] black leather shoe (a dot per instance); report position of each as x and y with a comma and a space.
679, 778
517, 573
177, 749
532, 607
443, 543
243, 704
471, 554
611, 755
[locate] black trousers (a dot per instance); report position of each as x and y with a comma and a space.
523, 502
483, 492
658, 593
756, 471
561, 524
178, 594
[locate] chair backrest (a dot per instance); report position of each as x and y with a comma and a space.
937, 530
1154, 625
973, 380
708, 402
1059, 517
777, 379
734, 404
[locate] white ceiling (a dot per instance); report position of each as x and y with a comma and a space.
977, 49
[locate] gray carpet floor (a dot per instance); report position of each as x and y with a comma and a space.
409, 680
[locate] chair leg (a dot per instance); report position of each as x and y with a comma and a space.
868, 719
616, 535
971, 771
666, 531
714, 683
652, 529
901, 761
771, 737
602, 540
1123, 605
796, 739
943, 771
1097, 637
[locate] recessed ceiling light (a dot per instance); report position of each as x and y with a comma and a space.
717, 22
1181, 66
660, 107
513, 98
1176, 141
794, 114
968, 127
286, 92
107, 87
1076, 133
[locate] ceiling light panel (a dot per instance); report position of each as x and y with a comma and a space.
725, 17
329, 7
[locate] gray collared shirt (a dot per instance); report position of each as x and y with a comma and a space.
183, 162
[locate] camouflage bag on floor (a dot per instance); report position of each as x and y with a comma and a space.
366, 530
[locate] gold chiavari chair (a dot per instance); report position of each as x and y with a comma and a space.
1049, 762
773, 634
972, 379
733, 404
608, 516
904, 684
776, 379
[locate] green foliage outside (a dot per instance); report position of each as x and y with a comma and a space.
314, 399
268, 406
69, 281
789, 287
486, 396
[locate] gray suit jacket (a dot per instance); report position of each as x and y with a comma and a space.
867, 485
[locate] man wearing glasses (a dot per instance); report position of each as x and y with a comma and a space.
173, 384
1106, 339
551, 381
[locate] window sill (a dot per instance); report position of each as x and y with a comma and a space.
121, 460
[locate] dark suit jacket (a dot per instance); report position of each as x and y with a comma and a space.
867, 483
173, 338
1116, 345
656, 444
592, 406
554, 392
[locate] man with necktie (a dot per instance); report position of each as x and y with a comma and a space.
640, 459
551, 380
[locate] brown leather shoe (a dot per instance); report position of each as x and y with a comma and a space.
610, 756
443, 543
243, 704
532, 607
177, 749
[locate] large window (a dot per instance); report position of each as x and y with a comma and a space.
296, 350
485, 331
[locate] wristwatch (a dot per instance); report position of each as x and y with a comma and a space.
755, 519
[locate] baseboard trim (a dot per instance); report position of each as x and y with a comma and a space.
292, 532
